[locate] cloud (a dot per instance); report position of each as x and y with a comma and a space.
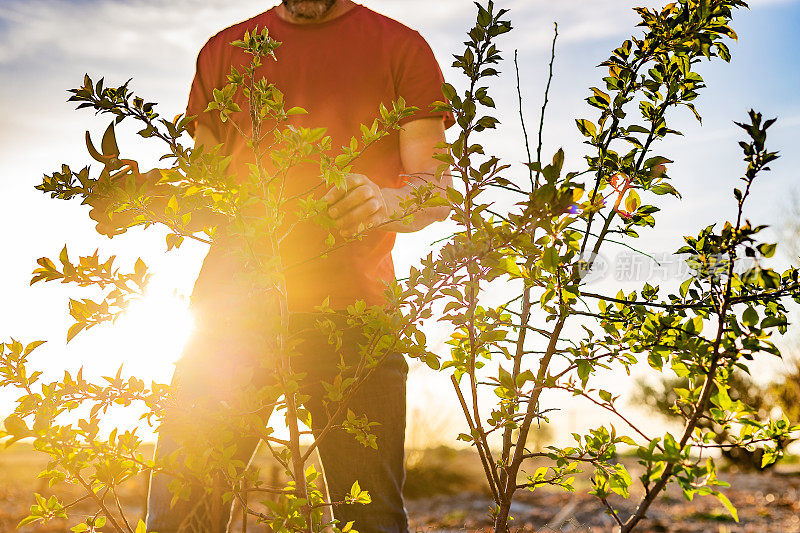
126, 30
107, 29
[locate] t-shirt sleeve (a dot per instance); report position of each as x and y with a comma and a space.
201, 92
419, 80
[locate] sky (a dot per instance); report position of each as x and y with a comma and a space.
46, 46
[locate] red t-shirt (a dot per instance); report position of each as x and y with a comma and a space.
339, 71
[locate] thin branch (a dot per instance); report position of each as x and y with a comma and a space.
490, 475
650, 304
612, 512
119, 508
546, 94
99, 501
522, 121
605, 405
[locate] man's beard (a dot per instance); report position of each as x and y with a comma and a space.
308, 9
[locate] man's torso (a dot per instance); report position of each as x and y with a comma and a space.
340, 71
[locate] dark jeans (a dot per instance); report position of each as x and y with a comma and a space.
381, 398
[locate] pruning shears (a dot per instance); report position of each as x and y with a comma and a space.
113, 166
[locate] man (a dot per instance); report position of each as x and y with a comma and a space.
339, 61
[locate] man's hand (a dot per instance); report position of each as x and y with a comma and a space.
99, 213
359, 205
117, 223
362, 202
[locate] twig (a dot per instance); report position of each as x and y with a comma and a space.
490, 475
546, 94
612, 512
119, 508
522, 121
99, 502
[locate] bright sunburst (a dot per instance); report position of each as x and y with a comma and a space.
146, 340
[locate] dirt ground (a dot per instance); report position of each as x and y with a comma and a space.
767, 502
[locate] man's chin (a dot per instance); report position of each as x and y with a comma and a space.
308, 9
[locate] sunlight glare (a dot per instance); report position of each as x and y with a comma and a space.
158, 326
149, 337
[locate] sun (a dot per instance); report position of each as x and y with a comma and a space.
154, 329
146, 340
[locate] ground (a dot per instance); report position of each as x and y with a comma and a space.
767, 502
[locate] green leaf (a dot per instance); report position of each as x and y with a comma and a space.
449, 91
522, 377
432, 361
655, 359
767, 249
550, 259
64, 256
728, 505
454, 196
770, 456
722, 399
355, 489
509, 265
16, 427
664, 188
28, 520
655, 161
584, 367
635, 128
32, 346
671, 447
750, 316
632, 202
620, 480
685, 287
586, 127
173, 241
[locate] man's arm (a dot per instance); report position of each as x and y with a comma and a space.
117, 223
362, 202
204, 136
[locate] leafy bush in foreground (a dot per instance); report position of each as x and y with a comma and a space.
540, 249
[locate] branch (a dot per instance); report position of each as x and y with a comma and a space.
488, 470
612, 512
99, 502
119, 508
650, 304
522, 120
546, 93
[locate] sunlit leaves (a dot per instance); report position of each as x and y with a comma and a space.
539, 245
67, 184
92, 271
357, 495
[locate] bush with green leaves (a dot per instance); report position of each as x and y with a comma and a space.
197, 198
715, 323
662, 398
